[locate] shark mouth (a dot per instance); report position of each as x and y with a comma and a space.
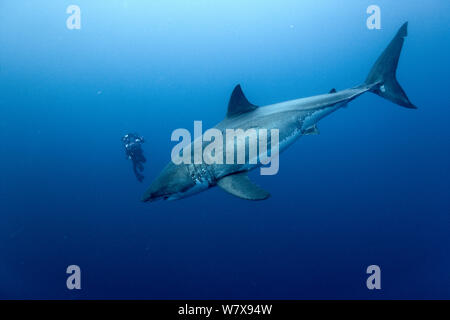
153, 198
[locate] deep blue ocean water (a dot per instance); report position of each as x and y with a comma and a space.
372, 188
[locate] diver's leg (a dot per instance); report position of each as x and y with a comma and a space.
140, 156
139, 176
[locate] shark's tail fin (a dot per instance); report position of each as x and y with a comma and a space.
382, 76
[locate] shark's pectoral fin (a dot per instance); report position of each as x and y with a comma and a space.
240, 186
311, 130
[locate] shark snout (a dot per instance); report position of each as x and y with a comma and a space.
170, 184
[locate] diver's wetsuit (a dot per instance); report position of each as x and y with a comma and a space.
133, 151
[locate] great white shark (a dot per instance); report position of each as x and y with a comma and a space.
292, 118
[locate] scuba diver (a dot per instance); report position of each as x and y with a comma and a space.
134, 152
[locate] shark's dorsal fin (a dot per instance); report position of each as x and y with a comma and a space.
332, 90
238, 103
239, 185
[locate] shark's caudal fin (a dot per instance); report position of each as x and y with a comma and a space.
382, 76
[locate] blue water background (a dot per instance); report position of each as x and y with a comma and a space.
372, 188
